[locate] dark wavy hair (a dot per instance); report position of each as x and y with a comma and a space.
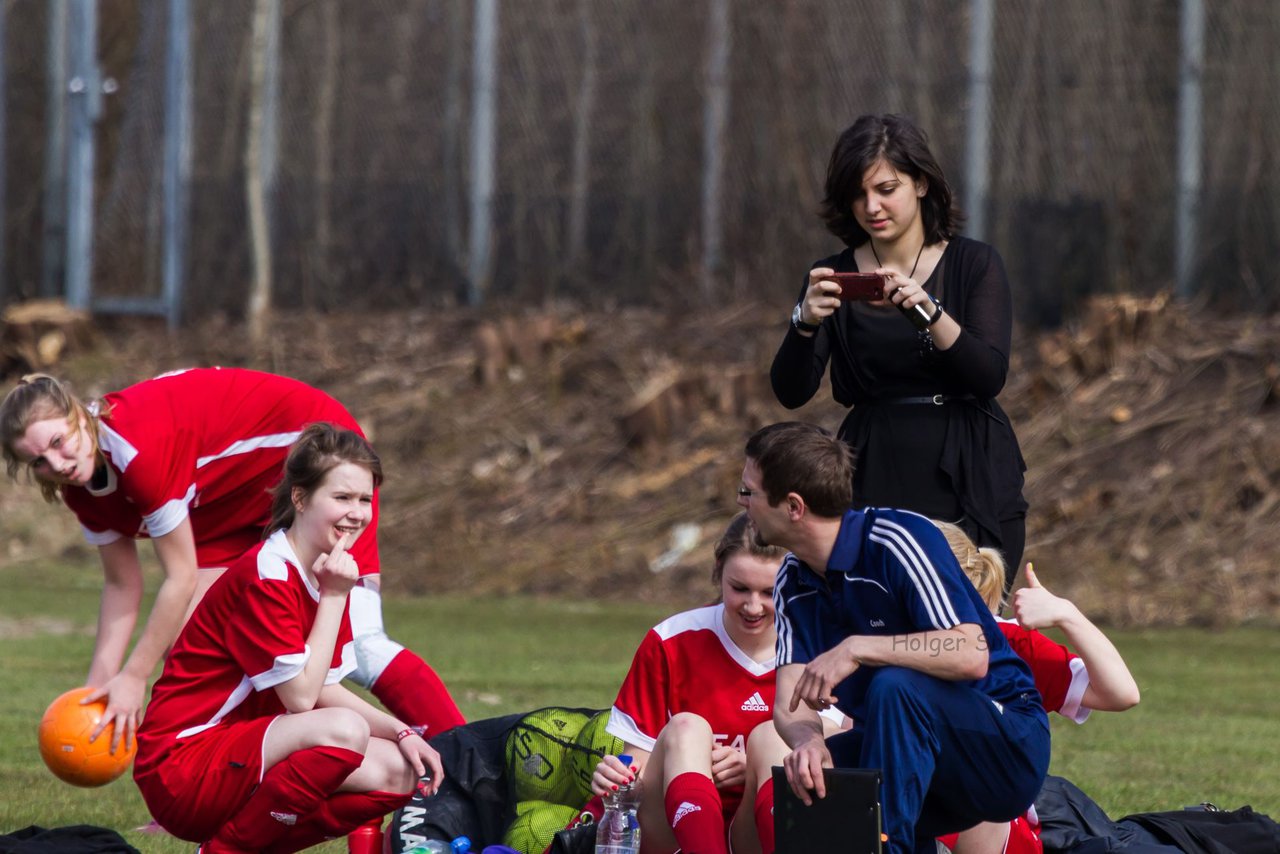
320, 449
805, 459
904, 146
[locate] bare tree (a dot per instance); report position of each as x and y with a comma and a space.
714, 121
450, 163
266, 15
323, 178
580, 183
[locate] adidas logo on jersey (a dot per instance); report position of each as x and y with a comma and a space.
683, 810
755, 703
285, 817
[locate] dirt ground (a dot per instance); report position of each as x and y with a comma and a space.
596, 453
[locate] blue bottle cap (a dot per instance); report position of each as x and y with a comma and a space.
460, 845
625, 759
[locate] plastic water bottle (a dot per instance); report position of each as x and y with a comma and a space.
460, 845
618, 831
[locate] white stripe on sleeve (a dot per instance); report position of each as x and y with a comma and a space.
1073, 707
101, 538
624, 727
285, 668
170, 514
923, 574
781, 621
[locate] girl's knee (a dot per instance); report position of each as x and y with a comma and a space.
765, 748
340, 728
687, 729
764, 736
391, 765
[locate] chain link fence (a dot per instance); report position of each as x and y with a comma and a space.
600, 146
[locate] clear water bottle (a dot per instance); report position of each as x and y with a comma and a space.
618, 831
460, 845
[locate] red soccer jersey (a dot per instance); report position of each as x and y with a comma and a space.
207, 444
248, 635
687, 663
1060, 675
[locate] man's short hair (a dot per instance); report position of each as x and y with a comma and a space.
805, 459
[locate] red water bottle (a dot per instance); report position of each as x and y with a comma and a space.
367, 838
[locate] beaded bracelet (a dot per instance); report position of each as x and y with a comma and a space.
404, 733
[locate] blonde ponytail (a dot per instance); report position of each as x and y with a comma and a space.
984, 566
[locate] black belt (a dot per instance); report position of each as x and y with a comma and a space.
935, 399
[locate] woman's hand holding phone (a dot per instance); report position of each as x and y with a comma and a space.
822, 298
828, 289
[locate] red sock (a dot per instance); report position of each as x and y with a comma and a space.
694, 810
287, 796
764, 817
415, 694
338, 816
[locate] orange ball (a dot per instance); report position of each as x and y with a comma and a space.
65, 745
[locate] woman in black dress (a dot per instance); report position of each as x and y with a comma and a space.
920, 367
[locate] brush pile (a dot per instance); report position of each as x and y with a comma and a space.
596, 453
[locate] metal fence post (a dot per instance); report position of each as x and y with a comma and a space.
1190, 72
580, 160
85, 87
54, 204
177, 155
715, 118
978, 144
483, 152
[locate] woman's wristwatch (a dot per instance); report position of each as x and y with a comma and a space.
797, 321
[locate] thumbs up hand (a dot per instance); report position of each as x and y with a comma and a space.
1030, 572
1034, 607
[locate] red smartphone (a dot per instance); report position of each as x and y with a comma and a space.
860, 287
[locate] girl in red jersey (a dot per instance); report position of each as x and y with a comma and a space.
249, 742
188, 459
701, 682
1093, 678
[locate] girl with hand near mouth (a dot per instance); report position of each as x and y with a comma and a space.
250, 742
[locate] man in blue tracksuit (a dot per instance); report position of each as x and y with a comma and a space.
875, 616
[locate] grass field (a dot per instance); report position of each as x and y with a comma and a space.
1205, 730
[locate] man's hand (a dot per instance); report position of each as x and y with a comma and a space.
817, 684
804, 770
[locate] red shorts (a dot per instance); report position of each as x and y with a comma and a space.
205, 779
1023, 838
